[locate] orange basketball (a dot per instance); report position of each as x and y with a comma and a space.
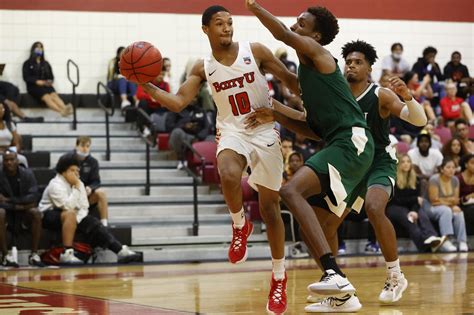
141, 62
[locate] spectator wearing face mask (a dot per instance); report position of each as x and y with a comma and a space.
39, 78
394, 64
89, 175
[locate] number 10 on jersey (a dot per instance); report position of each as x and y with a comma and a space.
240, 103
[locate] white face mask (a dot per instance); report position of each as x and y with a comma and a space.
82, 154
396, 56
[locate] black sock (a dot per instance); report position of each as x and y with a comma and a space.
115, 246
329, 262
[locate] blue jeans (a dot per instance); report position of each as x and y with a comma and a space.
122, 86
449, 223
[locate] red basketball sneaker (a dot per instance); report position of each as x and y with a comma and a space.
277, 297
238, 246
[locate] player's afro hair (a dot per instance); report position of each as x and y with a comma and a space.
325, 23
360, 46
209, 12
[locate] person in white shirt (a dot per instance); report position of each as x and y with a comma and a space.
65, 206
394, 63
425, 159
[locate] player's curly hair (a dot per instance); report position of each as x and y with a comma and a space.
360, 46
325, 23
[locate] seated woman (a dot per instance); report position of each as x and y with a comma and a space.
405, 211
293, 163
443, 192
455, 150
38, 75
466, 191
9, 138
117, 82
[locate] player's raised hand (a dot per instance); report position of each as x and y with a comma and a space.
398, 86
250, 3
259, 117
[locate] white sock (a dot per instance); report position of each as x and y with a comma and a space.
278, 268
104, 222
393, 266
238, 218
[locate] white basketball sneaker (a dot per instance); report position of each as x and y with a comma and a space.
314, 298
331, 284
344, 304
393, 288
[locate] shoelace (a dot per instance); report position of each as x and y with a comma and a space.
237, 239
276, 294
326, 277
390, 284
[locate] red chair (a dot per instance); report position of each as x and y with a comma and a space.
471, 132
162, 141
444, 133
402, 147
250, 199
202, 158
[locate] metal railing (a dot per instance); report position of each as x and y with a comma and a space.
74, 85
108, 110
150, 141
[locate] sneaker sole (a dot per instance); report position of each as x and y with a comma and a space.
331, 291
273, 313
351, 309
129, 259
246, 251
399, 297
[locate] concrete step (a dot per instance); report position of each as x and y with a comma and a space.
169, 199
160, 219
140, 174
116, 156
186, 236
56, 144
172, 181
163, 211
83, 114
137, 191
62, 128
137, 164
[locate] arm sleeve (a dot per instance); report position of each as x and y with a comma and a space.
28, 76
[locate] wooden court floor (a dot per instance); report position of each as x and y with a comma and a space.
438, 284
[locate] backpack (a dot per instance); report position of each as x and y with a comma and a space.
82, 251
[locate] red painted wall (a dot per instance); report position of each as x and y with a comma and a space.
432, 10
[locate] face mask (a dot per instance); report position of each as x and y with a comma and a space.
396, 56
81, 154
38, 52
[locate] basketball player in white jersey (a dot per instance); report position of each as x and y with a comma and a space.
235, 73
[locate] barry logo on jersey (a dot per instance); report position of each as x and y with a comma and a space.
236, 82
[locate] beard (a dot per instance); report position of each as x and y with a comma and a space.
351, 78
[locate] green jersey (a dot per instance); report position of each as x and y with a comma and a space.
330, 106
379, 127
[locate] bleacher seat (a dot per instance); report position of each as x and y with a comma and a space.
402, 147
26, 142
250, 200
471, 132
38, 159
444, 133
208, 171
163, 141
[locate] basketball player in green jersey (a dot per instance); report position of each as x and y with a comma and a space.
378, 104
335, 116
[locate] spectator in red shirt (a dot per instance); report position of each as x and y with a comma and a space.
148, 104
453, 107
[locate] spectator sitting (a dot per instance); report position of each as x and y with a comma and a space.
38, 75
117, 82
286, 148
404, 209
403, 130
8, 96
427, 65
65, 207
303, 146
18, 201
462, 131
466, 191
282, 54
435, 139
294, 162
425, 159
444, 207
456, 71
453, 107
421, 92
89, 175
9, 138
192, 126
455, 150
394, 64
166, 71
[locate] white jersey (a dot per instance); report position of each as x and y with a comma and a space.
237, 89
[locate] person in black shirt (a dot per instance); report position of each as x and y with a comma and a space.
89, 174
18, 206
38, 75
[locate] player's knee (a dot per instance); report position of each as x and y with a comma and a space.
286, 191
229, 177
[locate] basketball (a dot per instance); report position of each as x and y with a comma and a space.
141, 62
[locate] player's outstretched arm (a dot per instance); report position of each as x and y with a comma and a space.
303, 45
409, 110
286, 116
273, 65
186, 93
